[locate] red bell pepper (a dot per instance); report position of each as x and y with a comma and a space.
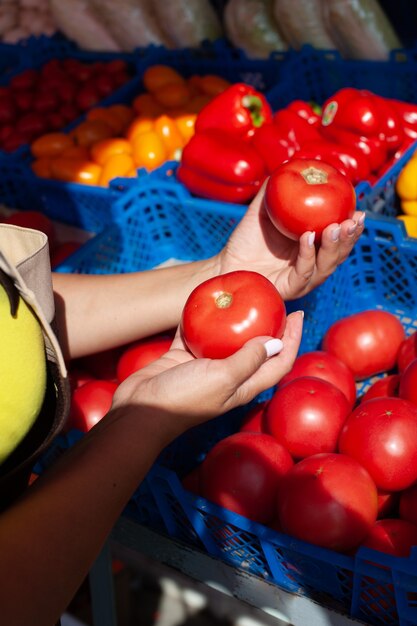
240, 109
364, 113
373, 148
218, 165
273, 148
296, 130
408, 114
347, 159
307, 111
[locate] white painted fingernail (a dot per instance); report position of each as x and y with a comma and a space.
335, 234
361, 219
301, 312
273, 346
351, 229
311, 239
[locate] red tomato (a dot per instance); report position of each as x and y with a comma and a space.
90, 403
243, 473
326, 366
407, 352
329, 500
392, 536
224, 312
384, 387
35, 220
306, 416
382, 435
307, 194
253, 420
408, 383
408, 504
368, 342
140, 354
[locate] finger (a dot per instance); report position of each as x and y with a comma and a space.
264, 372
258, 201
178, 342
337, 242
305, 264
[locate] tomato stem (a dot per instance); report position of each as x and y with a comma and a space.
224, 300
313, 176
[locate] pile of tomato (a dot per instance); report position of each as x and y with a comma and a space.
41, 100
115, 141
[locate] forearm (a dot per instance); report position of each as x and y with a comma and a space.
97, 312
56, 531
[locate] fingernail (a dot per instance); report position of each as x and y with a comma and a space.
352, 228
311, 239
335, 234
273, 346
301, 312
361, 219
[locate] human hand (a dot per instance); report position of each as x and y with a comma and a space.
182, 391
295, 267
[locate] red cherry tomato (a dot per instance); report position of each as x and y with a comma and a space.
368, 342
140, 354
329, 500
382, 435
90, 403
407, 352
243, 472
384, 387
307, 195
408, 504
392, 536
326, 366
224, 312
306, 416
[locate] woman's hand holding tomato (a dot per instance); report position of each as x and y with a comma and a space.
184, 391
295, 267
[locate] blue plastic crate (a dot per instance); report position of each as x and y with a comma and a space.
156, 222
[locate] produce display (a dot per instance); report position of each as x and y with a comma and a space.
37, 101
327, 460
116, 140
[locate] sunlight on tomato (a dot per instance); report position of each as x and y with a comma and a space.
148, 150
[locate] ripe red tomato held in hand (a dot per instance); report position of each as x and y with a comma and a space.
224, 312
90, 403
326, 366
307, 195
306, 416
243, 472
368, 342
329, 500
382, 435
141, 353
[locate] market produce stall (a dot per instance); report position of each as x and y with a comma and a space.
136, 140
